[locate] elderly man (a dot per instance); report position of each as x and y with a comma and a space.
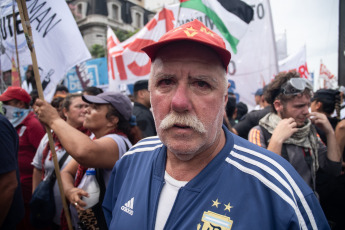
197, 175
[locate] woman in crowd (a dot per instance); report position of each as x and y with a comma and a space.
109, 118
73, 109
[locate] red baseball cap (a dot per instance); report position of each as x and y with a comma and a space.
14, 92
194, 31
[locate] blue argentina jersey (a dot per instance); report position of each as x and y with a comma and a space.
243, 187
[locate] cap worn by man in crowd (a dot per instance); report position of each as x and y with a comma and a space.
194, 31
119, 101
259, 92
139, 85
14, 92
325, 94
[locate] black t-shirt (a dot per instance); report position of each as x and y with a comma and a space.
9, 162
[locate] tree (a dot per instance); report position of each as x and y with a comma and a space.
122, 35
97, 51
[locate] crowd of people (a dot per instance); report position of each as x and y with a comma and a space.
183, 154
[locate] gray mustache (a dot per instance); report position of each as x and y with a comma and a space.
182, 119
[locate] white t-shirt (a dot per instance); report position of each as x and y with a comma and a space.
167, 199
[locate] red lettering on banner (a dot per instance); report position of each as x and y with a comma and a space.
121, 67
140, 70
168, 16
152, 24
303, 71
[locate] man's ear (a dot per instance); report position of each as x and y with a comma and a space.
278, 105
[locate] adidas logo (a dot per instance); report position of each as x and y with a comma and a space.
128, 207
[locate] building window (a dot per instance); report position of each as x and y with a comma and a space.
115, 12
138, 20
81, 8
114, 9
137, 17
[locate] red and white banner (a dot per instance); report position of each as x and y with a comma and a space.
326, 78
252, 66
297, 62
126, 62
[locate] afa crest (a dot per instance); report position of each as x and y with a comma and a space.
215, 221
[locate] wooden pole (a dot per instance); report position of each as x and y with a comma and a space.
28, 35
15, 42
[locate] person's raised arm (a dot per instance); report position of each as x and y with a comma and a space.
282, 132
100, 153
321, 121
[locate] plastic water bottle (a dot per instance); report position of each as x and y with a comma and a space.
91, 186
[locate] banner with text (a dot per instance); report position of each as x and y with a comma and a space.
58, 43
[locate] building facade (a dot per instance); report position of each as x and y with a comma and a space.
93, 17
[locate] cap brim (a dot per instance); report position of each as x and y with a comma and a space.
94, 99
5, 98
151, 50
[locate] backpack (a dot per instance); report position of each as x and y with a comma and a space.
42, 203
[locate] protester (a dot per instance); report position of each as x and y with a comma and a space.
61, 91
196, 174
141, 108
241, 111
92, 90
252, 119
258, 99
109, 118
74, 109
230, 109
325, 101
331, 189
57, 103
29, 84
288, 131
30, 131
11, 202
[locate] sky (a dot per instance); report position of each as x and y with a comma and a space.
314, 23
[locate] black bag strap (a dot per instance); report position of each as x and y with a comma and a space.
98, 209
267, 136
61, 162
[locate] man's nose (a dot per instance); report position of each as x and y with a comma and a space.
181, 99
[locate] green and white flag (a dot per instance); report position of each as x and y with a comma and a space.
231, 17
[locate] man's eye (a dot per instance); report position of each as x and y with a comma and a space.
202, 84
165, 82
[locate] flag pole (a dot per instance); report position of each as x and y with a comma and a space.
15, 42
28, 35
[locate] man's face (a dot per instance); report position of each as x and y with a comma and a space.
257, 99
296, 108
188, 79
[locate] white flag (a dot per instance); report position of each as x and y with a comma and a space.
58, 43
297, 62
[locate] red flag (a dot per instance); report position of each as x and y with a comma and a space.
15, 75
